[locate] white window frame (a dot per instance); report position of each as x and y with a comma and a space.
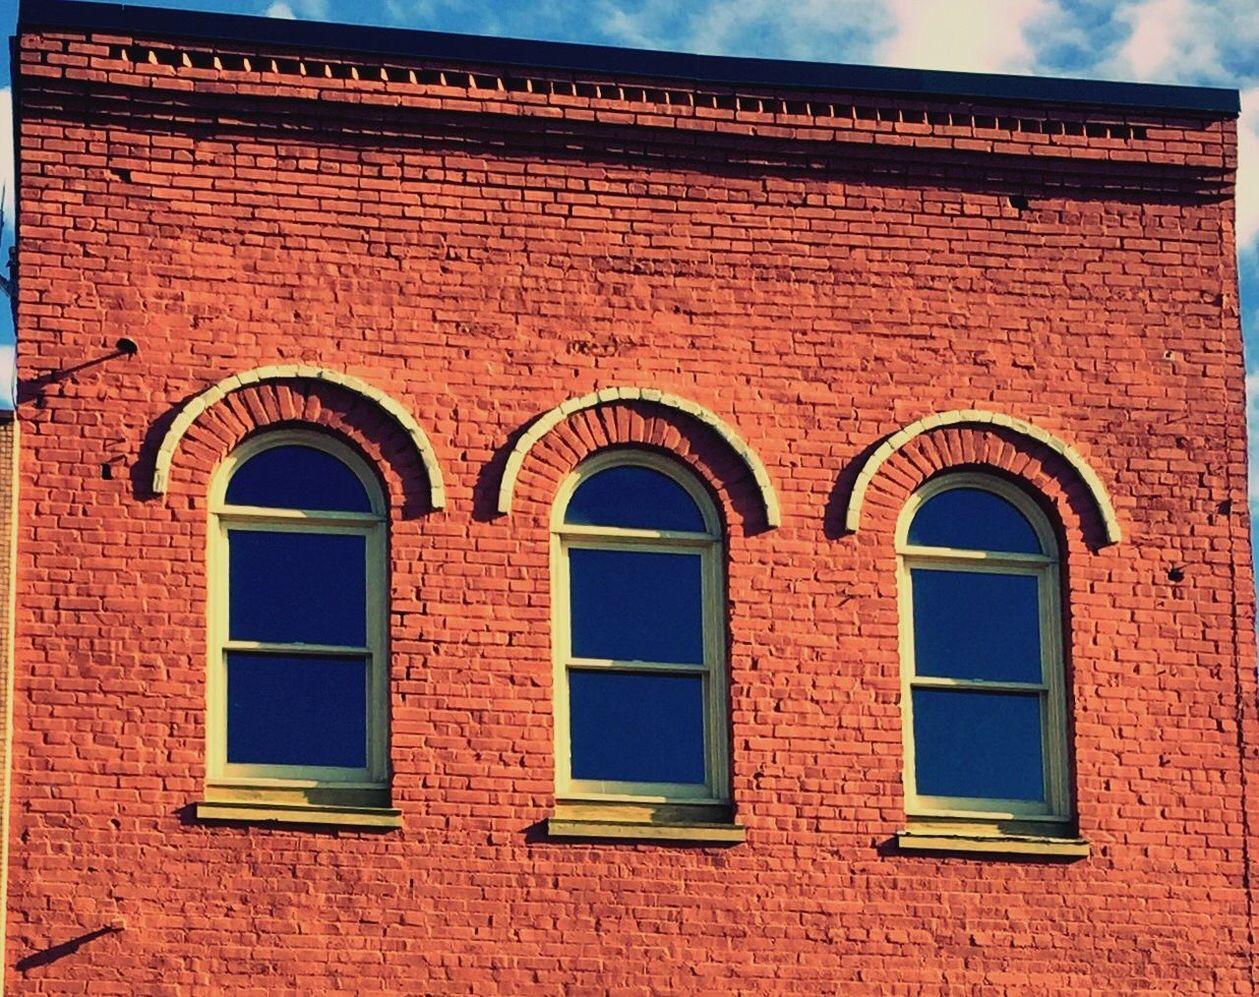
708, 546
372, 526
1057, 807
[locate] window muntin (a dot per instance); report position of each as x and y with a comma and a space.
982, 671
639, 634
298, 673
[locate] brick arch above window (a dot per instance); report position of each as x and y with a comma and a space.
644, 416
892, 470
211, 424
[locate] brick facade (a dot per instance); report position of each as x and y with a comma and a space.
816, 269
8, 577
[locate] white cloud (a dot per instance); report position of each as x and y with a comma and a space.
1207, 42
965, 35
1248, 171
1162, 33
824, 30
628, 28
804, 29
1252, 413
315, 10
1210, 42
1189, 42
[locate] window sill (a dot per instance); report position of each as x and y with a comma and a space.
696, 823
981, 843
614, 830
374, 818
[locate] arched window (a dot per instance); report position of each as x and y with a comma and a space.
981, 649
639, 636
298, 585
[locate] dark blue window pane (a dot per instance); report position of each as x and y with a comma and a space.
978, 744
297, 477
636, 606
633, 497
637, 727
976, 625
973, 519
308, 588
296, 710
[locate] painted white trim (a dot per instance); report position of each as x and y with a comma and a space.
1057, 806
549, 420
712, 670
979, 417
374, 530
286, 372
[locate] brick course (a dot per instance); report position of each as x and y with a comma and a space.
8, 498
818, 270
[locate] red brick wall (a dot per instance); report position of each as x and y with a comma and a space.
818, 270
8, 468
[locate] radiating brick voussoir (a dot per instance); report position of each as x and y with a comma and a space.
649, 426
645, 417
1044, 472
258, 405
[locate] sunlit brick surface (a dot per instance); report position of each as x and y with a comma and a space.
481, 252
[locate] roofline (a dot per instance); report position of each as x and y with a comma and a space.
569, 57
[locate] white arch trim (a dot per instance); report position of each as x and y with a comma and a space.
549, 420
285, 372
979, 417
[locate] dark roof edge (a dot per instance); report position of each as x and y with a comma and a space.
569, 57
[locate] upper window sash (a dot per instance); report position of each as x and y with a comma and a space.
711, 629
234, 519
647, 542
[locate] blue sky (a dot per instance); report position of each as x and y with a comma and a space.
1204, 42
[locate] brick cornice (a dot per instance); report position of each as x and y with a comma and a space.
161, 69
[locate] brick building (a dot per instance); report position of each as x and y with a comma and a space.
621, 521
